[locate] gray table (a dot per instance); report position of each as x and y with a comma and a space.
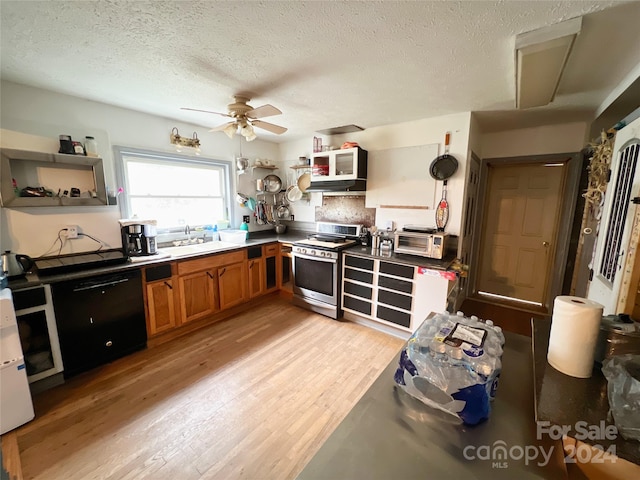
391, 435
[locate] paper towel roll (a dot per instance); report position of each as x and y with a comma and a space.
575, 324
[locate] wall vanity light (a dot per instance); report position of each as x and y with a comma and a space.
181, 142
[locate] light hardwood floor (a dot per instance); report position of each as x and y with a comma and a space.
252, 397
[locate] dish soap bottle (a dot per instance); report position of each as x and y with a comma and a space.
245, 227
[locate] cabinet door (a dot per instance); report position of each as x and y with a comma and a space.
198, 297
286, 269
161, 306
256, 277
232, 281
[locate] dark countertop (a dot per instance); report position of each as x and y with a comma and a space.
389, 434
565, 400
259, 238
412, 260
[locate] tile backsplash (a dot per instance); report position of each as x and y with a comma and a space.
345, 209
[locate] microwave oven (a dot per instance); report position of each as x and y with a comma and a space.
430, 245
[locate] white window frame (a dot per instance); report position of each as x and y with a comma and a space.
121, 152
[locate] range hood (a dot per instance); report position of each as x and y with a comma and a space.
338, 186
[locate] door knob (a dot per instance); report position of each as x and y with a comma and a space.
545, 244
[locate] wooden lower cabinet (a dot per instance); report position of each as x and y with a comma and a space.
232, 284
255, 270
185, 291
161, 306
198, 295
161, 298
285, 281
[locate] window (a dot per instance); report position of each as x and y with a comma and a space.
173, 189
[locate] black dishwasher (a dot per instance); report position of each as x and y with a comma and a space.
99, 319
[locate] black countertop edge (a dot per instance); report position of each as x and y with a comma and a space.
412, 260
33, 279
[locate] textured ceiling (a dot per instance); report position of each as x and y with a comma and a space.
324, 64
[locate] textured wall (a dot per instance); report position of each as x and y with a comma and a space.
345, 209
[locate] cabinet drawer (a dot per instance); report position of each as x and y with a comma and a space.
212, 261
271, 249
396, 270
151, 274
364, 277
358, 262
358, 290
30, 297
394, 316
394, 299
361, 306
395, 284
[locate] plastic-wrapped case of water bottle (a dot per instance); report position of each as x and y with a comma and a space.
453, 363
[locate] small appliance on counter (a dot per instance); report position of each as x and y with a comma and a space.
138, 237
421, 241
15, 265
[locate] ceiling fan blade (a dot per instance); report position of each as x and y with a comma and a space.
277, 129
263, 111
206, 111
219, 128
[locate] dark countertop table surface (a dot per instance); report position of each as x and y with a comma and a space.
260, 238
564, 400
412, 260
389, 434
257, 238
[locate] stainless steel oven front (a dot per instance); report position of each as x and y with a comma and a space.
316, 276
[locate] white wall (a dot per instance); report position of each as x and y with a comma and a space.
563, 138
420, 132
43, 115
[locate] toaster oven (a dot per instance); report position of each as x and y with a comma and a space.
430, 245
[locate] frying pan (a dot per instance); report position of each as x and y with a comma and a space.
442, 168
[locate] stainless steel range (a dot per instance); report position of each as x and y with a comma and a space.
317, 267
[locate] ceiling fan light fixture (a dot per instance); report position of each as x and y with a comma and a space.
231, 129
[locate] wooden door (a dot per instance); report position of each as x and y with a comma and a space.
616, 244
161, 306
256, 277
232, 281
518, 239
198, 298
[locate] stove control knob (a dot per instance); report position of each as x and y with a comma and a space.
312, 252
322, 254
303, 250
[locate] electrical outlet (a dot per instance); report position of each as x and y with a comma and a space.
292, 217
72, 231
246, 218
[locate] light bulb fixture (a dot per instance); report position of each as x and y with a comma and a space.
541, 56
247, 132
180, 142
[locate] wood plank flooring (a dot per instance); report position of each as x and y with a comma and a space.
251, 397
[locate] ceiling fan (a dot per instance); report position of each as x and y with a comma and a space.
245, 117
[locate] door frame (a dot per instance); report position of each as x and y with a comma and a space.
568, 195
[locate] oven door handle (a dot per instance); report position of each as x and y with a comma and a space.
311, 257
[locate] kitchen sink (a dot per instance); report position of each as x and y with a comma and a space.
197, 248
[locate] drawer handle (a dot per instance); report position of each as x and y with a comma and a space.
251, 265
109, 343
168, 285
210, 276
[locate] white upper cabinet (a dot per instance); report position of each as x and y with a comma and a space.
346, 164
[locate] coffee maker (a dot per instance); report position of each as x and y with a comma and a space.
138, 237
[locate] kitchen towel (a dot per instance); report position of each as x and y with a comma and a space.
575, 324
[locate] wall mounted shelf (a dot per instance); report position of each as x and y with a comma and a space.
53, 171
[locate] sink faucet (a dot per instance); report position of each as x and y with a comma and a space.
187, 232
